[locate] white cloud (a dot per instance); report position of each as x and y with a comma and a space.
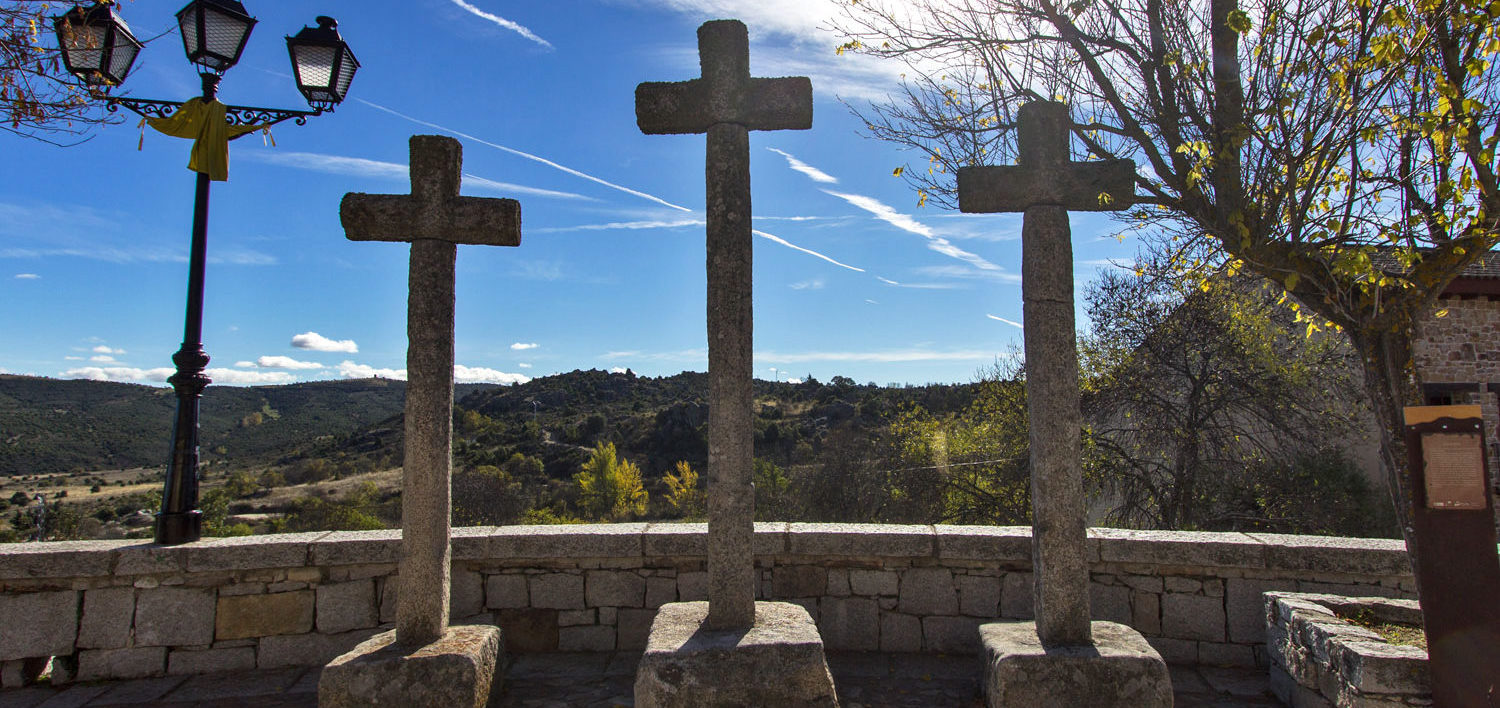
316, 342
528, 156
872, 302
118, 373
617, 369
919, 286
814, 284
28, 276
965, 272
102, 359
507, 188
905, 222
777, 239
523, 346
281, 362
813, 173
693, 356
501, 21
476, 374
240, 377
101, 349
1012, 323
524, 365
72, 358
351, 370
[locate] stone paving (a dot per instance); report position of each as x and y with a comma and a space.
604, 680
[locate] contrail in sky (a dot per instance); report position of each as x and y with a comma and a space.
507, 24
528, 156
793, 246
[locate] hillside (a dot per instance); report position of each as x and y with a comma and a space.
51, 425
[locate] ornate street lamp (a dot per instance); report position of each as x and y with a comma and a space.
98, 49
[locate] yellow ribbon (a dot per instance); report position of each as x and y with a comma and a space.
205, 123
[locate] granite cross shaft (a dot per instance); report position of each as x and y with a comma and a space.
435, 219
1046, 185
726, 103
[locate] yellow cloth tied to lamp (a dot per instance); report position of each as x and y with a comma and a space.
210, 131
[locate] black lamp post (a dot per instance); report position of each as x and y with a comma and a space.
98, 48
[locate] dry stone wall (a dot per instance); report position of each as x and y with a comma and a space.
118, 609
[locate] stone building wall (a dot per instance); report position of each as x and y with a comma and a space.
117, 609
1463, 348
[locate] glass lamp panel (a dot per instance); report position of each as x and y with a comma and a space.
224, 35
314, 65
347, 68
121, 58
187, 23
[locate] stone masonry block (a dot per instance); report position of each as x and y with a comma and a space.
107, 615
608, 588
1145, 613
660, 591
951, 635
1016, 596
460, 670
874, 582
345, 606
265, 615
633, 627
1192, 617
311, 649
851, 624
1110, 603
979, 596
557, 591
586, 638
211, 661
465, 593
1246, 607
792, 581
174, 617
900, 633
106, 664
38, 624
928, 591
692, 586
1120, 669
506, 591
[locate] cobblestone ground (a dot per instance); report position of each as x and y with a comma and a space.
604, 680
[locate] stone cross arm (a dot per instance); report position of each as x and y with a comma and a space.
434, 210
1045, 176
726, 93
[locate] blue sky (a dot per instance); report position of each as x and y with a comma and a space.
851, 277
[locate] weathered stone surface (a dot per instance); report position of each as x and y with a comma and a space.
38, 624
793, 581
634, 628
1145, 612
389, 589
345, 606
288, 550
900, 633
312, 649
529, 630
573, 618
1246, 607
1005, 543
928, 591
264, 615
1016, 598
567, 541
778, 661
557, 591
147, 558
692, 586
506, 591
1110, 603
1202, 548
107, 614
57, 559
461, 669
951, 635
1327, 554
586, 638
1118, 669
466, 595
874, 582
851, 623
979, 595
614, 588
861, 540
209, 661
357, 547
101, 664
1192, 617
660, 591
174, 617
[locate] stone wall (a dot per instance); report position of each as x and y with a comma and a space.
116, 609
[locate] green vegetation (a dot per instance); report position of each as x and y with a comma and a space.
1404, 634
609, 489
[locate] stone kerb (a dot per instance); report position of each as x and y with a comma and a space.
124, 608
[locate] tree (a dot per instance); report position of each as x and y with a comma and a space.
1308, 142
1201, 397
609, 488
683, 491
487, 496
38, 98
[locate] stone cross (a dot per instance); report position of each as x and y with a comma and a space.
1046, 185
726, 103
435, 219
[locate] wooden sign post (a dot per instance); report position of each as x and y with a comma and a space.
1457, 569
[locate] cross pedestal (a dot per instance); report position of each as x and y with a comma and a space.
1061, 659
732, 651
424, 661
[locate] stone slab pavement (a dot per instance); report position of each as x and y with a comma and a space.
605, 680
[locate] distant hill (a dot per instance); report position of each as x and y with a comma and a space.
53, 425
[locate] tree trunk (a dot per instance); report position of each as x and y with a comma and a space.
1391, 383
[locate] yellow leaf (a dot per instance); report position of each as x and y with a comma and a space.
1441, 313
898, 171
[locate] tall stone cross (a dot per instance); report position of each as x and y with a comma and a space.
726, 103
1046, 185
435, 219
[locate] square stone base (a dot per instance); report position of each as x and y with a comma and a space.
778, 662
1120, 670
460, 669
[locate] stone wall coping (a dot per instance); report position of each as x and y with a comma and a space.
1007, 544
